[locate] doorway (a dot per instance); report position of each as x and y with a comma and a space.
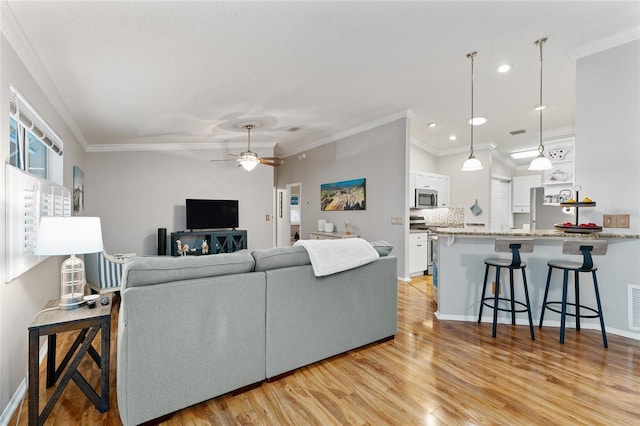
289, 214
500, 213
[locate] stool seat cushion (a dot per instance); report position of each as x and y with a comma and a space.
504, 263
571, 266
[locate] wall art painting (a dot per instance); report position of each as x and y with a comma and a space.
345, 195
78, 191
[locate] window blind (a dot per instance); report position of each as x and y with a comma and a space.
22, 110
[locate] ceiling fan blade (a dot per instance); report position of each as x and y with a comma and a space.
267, 162
215, 161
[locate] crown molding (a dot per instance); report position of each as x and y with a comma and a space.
176, 146
424, 146
605, 43
15, 36
408, 113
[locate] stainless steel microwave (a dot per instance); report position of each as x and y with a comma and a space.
426, 198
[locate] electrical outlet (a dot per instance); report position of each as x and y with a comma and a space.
622, 220
608, 221
396, 221
267, 218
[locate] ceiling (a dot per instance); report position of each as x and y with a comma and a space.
184, 74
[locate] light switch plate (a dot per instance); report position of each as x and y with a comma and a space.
622, 220
608, 221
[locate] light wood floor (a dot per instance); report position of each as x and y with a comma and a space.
433, 373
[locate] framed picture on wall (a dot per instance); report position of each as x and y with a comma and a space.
78, 191
345, 195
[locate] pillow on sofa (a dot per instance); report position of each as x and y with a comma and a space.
141, 271
382, 247
280, 257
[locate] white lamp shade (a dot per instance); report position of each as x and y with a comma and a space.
472, 164
540, 163
69, 235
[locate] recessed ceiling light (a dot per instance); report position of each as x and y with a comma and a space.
477, 121
539, 107
452, 138
525, 154
504, 68
432, 124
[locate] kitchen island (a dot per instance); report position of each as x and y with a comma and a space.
460, 272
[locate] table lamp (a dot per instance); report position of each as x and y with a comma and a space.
70, 235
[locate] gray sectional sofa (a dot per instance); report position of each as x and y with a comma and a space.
193, 328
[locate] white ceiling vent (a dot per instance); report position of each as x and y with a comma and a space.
634, 307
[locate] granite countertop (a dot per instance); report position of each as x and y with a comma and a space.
536, 233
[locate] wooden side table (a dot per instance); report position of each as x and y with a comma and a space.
49, 323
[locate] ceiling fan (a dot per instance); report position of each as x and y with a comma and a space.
249, 159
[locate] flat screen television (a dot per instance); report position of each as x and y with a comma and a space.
212, 214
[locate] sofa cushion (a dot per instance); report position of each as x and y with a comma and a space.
141, 271
280, 257
382, 247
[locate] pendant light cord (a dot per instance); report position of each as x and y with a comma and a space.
540, 42
471, 55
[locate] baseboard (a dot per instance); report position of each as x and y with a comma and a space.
14, 403
18, 396
547, 323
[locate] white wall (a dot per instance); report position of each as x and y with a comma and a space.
23, 297
380, 156
422, 160
135, 193
466, 187
608, 132
608, 152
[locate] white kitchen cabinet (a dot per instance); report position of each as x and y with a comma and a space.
443, 185
521, 192
421, 180
418, 253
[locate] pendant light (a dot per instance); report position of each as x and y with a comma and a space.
472, 163
540, 162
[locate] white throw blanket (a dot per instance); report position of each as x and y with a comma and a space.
332, 256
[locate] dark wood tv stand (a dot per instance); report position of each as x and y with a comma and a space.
220, 241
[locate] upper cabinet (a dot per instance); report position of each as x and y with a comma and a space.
562, 176
521, 192
425, 180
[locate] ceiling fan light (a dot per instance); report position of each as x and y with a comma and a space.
540, 163
471, 164
249, 163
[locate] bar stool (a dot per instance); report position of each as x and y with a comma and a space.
514, 246
586, 249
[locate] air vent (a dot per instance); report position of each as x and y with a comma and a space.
634, 307
517, 132
294, 129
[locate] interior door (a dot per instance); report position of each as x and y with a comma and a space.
500, 213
